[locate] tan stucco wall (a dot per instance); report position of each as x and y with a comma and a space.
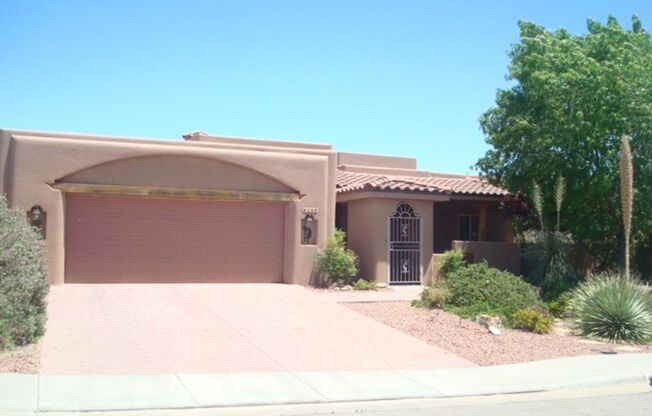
501, 255
367, 234
178, 171
29, 161
365, 159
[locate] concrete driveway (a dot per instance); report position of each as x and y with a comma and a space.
192, 328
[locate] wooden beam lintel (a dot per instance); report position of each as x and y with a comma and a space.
171, 192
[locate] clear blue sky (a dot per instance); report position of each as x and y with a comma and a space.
395, 77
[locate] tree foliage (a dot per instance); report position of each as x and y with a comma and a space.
572, 99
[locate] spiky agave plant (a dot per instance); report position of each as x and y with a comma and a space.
613, 307
626, 193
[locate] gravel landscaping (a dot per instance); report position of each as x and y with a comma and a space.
21, 360
472, 341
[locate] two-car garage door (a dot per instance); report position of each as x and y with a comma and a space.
141, 239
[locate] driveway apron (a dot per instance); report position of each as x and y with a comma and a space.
209, 328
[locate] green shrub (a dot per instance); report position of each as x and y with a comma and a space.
433, 297
613, 307
532, 320
479, 289
336, 262
558, 304
23, 279
451, 261
557, 307
362, 284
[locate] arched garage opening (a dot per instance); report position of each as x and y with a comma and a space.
168, 219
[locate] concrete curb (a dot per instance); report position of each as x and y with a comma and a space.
74, 393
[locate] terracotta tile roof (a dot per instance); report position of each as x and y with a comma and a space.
445, 184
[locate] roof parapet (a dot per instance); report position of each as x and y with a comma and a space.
202, 136
385, 171
403, 172
377, 161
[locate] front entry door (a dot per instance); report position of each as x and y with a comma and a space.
404, 246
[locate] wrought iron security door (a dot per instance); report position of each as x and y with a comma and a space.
404, 246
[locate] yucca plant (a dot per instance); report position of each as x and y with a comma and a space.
546, 253
626, 193
537, 201
560, 192
546, 260
613, 307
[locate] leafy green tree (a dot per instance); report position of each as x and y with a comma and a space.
572, 99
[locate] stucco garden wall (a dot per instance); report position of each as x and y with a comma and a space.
504, 256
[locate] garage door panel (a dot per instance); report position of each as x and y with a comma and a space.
133, 239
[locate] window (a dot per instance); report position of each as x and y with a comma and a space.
467, 229
341, 214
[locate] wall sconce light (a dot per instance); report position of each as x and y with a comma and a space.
36, 217
307, 229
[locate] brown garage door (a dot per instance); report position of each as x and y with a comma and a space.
138, 239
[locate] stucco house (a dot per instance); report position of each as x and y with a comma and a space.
226, 209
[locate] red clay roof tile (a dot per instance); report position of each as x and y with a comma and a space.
445, 184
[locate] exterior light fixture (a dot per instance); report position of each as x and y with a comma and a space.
307, 229
36, 217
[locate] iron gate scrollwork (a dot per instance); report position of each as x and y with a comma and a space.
404, 246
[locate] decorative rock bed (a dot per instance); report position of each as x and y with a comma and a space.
472, 341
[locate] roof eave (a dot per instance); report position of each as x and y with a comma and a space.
344, 194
